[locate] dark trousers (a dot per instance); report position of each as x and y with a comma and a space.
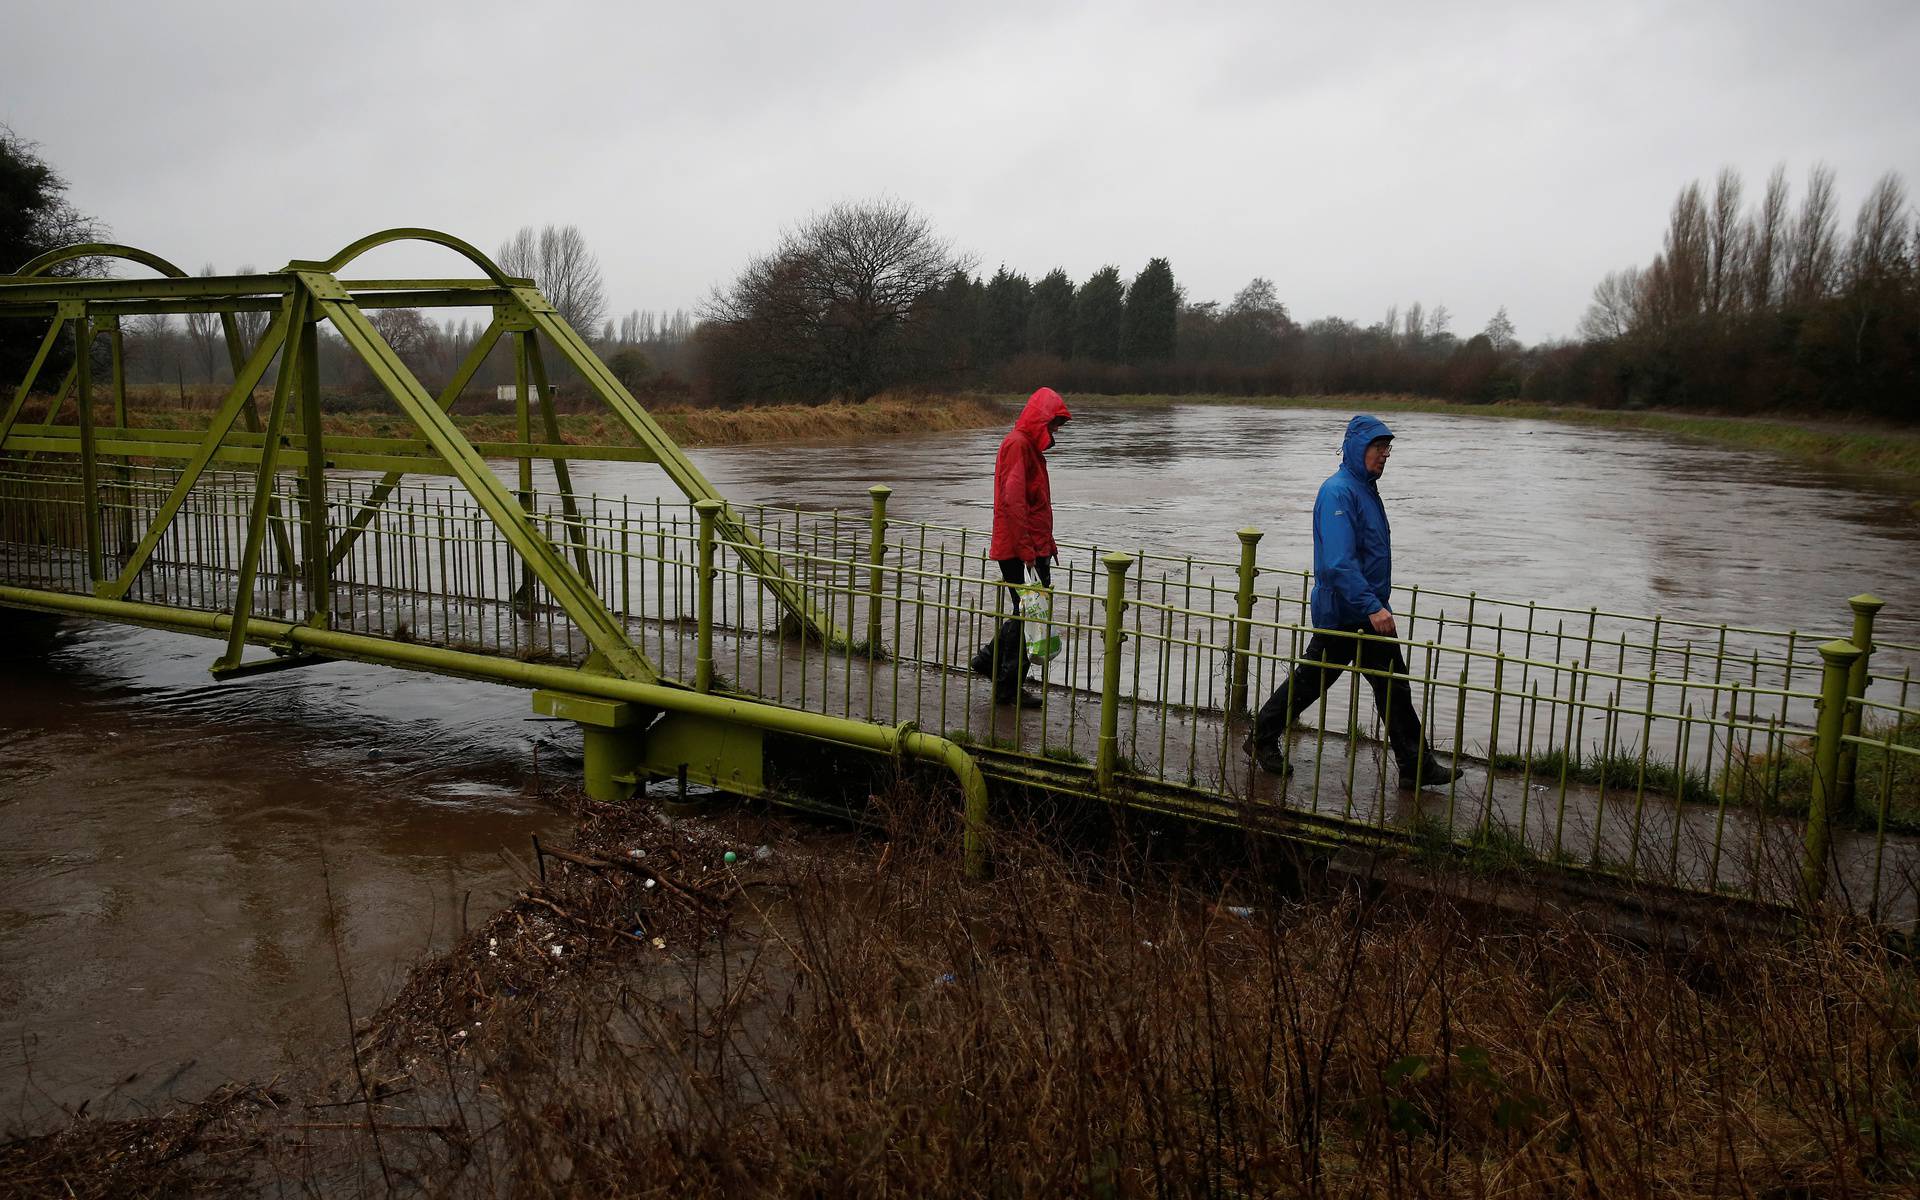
1393, 697
1005, 657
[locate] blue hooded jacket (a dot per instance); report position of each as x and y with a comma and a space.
1352, 548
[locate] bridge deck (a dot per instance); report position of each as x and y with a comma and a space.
1347, 780
1720, 715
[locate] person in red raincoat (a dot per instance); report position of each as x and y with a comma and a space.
1022, 533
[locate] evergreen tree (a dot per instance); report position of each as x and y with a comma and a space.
1152, 314
1050, 321
952, 328
1098, 310
1009, 297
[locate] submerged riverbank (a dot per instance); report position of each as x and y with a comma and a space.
1878, 449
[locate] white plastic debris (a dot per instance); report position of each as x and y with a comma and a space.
556, 950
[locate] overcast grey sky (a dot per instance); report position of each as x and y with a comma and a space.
1470, 155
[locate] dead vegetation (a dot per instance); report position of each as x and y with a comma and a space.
845, 1015
588, 422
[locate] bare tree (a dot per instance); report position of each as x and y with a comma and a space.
1414, 324
1876, 259
1686, 254
1879, 234
827, 309
566, 272
408, 331
1500, 331
1615, 300
251, 324
1767, 244
205, 337
1390, 324
1653, 302
1815, 250
1726, 245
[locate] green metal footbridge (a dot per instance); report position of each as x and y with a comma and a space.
745, 647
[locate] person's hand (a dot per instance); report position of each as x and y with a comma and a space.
1382, 623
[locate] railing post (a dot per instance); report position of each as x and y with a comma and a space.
319, 571
1243, 620
1864, 607
703, 597
876, 554
89, 459
1838, 659
1109, 749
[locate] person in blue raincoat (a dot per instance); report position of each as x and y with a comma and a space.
1352, 597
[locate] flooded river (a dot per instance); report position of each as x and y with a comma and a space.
167, 844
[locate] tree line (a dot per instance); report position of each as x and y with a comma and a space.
865, 297
1746, 307
1761, 306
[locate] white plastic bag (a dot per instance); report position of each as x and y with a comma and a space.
1036, 606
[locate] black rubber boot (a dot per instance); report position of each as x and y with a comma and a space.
1270, 759
1432, 774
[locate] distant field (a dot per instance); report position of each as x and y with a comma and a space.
884, 416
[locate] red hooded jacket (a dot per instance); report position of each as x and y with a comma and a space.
1022, 497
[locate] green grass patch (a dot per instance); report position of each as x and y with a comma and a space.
1612, 771
1496, 849
1887, 773
1491, 850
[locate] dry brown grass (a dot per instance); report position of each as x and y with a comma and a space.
888, 415
861, 1021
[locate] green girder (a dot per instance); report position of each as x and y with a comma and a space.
300, 296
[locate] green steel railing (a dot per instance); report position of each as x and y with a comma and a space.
1714, 758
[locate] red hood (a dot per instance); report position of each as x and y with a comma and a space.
1042, 407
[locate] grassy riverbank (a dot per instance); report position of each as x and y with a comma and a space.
1882, 450
844, 1014
884, 416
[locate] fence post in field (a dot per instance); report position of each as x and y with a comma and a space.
703, 597
1243, 621
1109, 749
1864, 607
1837, 659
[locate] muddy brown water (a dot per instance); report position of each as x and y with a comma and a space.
166, 843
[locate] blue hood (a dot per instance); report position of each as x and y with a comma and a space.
1352, 544
1361, 431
